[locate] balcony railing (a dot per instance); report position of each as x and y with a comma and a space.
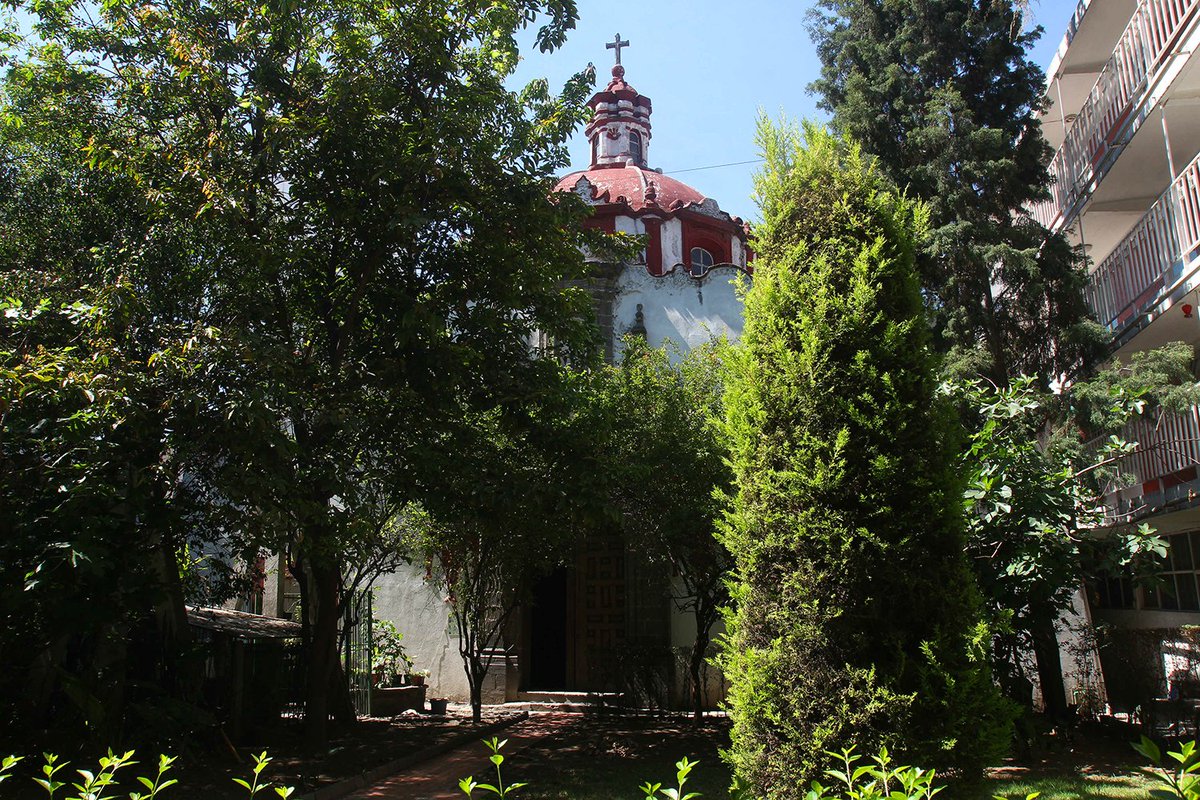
1163, 468
1094, 137
1148, 261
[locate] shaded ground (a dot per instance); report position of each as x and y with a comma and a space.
597, 756
208, 771
609, 756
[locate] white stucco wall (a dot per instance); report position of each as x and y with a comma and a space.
672, 242
421, 614
677, 307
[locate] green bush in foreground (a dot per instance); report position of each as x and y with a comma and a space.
857, 620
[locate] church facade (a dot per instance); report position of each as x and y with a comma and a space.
606, 623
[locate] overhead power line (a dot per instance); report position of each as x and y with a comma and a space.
713, 166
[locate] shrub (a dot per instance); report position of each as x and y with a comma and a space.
856, 620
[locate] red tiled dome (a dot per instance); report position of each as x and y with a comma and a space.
629, 185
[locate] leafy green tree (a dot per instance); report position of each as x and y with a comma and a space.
1038, 466
507, 515
366, 228
856, 616
943, 94
665, 463
93, 366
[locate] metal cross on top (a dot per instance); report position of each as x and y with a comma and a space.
617, 44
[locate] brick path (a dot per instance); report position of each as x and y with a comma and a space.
438, 778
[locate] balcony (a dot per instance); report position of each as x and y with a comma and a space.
1153, 260
1161, 474
1115, 105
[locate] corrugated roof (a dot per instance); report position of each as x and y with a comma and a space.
239, 623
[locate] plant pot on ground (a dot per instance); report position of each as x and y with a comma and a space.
437, 705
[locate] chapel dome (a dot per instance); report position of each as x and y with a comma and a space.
638, 188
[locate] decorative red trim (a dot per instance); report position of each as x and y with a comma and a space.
711, 238
601, 222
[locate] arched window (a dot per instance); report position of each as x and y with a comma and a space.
701, 261
635, 147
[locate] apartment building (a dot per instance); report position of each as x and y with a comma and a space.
1123, 114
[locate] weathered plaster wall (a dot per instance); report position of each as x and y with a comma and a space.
738, 250
672, 243
419, 612
677, 307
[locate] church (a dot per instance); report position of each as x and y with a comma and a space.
606, 623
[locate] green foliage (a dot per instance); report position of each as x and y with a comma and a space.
878, 780
388, 657
943, 94
663, 462
469, 785
1038, 466
328, 226
683, 768
1180, 775
102, 783
1031, 508
856, 619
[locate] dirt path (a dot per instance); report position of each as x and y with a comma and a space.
438, 779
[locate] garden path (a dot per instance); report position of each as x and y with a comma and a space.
437, 779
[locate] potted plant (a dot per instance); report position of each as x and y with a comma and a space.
417, 677
389, 662
437, 705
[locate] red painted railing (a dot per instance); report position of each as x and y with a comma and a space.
1092, 139
1152, 257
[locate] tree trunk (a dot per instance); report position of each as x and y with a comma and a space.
1049, 664
477, 701
323, 656
475, 675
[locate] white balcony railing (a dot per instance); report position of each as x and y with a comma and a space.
1162, 469
1093, 138
1152, 257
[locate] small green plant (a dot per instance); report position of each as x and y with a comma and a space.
101, 784
1179, 780
254, 786
153, 787
879, 780
682, 768
6, 766
469, 785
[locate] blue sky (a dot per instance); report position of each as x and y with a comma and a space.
709, 67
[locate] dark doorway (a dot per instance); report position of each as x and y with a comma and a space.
548, 634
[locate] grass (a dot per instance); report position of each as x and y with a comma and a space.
1071, 787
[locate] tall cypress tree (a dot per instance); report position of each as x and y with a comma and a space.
943, 94
856, 612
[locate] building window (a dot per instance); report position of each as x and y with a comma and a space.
1113, 592
701, 261
635, 147
1177, 590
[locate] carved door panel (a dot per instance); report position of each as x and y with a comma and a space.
600, 613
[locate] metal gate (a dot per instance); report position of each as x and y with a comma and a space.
356, 658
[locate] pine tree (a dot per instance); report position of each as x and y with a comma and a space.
856, 616
943, 94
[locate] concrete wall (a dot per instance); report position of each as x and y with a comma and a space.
422, 615
677, 307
